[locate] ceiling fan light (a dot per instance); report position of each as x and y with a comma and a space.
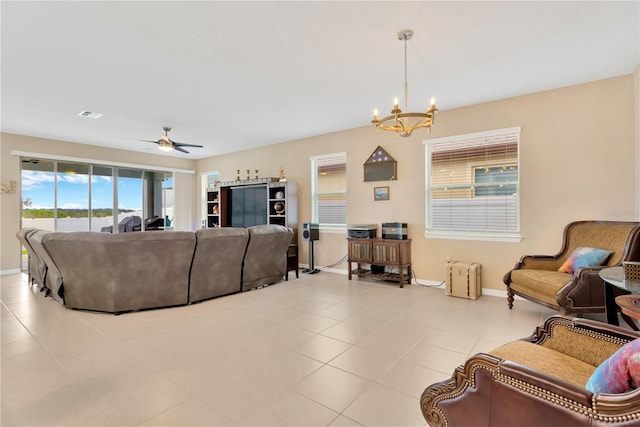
164, 145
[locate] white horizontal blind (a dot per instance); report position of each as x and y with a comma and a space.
329, 189
472, 184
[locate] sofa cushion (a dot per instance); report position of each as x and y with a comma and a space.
542, 285
546, 360
584, 257
618, 374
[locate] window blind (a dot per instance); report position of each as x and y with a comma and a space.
472, 184
329, 189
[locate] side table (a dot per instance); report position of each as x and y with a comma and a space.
614, 278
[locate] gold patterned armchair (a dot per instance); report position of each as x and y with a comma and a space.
537, 381
536, 277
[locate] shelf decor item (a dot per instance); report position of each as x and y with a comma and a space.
278, 207
380, 193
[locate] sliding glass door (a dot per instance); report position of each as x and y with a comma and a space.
159, 203
74, 196
102, 198
38, 193
130, 200
38, 198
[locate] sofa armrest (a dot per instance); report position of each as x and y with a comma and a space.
470, 386
539, 262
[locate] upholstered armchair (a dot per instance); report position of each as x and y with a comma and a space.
537, 381
536, 277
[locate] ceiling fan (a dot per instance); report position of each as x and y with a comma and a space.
165, 144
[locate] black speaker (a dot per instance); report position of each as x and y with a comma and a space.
310, 231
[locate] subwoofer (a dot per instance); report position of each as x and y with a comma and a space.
310, 231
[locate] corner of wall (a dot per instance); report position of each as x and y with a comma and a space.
636, 93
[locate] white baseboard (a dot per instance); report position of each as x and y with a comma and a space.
7, 272
496, 293
424, 282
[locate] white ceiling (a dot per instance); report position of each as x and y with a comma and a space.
236, 75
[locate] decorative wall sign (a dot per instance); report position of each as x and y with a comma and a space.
380, 166
11, 187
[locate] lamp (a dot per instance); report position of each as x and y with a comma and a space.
398, 121
164, 144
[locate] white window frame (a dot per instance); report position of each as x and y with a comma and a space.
315, 194
461, 234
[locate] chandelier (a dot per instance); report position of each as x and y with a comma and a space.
398, 121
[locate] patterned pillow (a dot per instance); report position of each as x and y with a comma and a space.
584, 257
618, 374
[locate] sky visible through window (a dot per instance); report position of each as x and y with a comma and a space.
73, 191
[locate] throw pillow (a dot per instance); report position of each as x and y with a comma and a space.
584, 257
620, 373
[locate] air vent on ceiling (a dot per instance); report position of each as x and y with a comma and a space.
90, 114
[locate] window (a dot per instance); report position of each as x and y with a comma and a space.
329, 190
78, 196
101, 197
472, 186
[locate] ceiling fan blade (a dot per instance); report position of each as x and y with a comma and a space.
177, 148
180, 144
147, 140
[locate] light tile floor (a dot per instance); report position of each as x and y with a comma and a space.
315, 351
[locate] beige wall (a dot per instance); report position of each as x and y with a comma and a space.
575, 164
10, 170
578, 161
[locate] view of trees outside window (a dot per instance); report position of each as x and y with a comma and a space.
69, 196
73, 197
101, 197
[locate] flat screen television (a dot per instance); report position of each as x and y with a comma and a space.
248, 206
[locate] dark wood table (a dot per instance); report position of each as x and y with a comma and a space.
614, 278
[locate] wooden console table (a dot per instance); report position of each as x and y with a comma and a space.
380, 254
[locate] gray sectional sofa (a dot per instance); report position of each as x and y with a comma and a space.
132, 271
